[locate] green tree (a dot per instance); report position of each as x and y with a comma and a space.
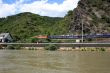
51, 47
34, 40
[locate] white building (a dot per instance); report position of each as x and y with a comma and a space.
6, 38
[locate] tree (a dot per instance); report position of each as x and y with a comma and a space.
70, 13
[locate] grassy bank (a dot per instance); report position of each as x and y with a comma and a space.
93, 49
55, 47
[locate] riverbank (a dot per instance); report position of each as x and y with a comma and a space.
69, 49
56, 47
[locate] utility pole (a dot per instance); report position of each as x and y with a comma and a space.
82, 25
82, 30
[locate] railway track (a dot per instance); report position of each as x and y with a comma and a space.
59, 44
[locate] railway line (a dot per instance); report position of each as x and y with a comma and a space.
59, 44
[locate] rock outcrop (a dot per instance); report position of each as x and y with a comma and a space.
93, 14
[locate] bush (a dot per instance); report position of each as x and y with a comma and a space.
105, 18
102, 49
10, 47
48, 40
51, 47
83, 49
13, 47
32, 40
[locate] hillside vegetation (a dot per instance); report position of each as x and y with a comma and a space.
25, 25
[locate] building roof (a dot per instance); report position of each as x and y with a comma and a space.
4, 35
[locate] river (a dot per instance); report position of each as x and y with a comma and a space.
30, 61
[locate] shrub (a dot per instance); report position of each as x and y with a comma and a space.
93, 50
34, 40
48, 40
102, 49
51, 47
83, 49
13, 47
10, 47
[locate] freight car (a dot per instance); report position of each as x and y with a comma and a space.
73, 36
78, 37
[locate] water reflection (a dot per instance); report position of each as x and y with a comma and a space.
24, 61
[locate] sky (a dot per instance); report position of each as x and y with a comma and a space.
52, 8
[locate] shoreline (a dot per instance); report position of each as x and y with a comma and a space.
65, 49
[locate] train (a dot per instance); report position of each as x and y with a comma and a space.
73, 36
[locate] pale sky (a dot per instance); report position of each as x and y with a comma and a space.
52, 8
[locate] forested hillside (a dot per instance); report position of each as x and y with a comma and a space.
25, 25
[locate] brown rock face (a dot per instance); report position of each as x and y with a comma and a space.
94, 15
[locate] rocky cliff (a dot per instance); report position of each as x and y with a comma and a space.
93, 14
